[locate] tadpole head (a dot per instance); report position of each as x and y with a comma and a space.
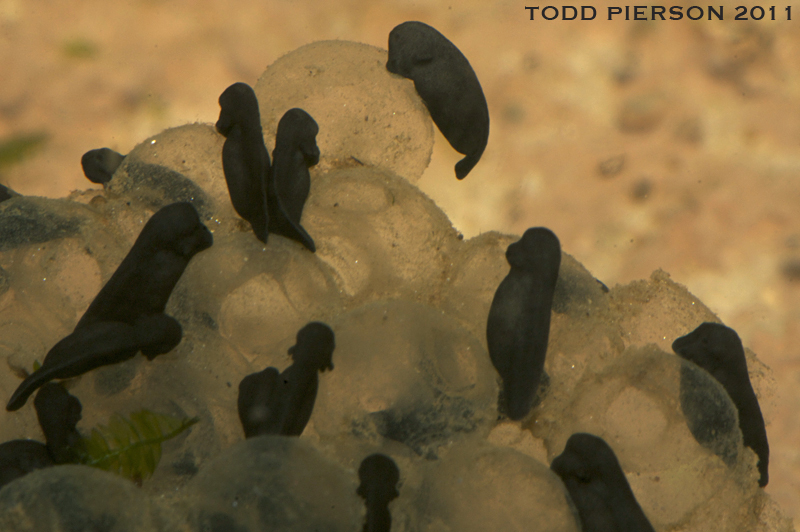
379, 476
589, 463
598, 487
712, 346
537, 250
5, 193
298, 129
411, 44
177, 227
238, 106
314, 347
99, 165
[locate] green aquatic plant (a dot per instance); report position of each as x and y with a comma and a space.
131, 446
128, 446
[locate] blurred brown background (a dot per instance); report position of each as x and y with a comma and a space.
642, 144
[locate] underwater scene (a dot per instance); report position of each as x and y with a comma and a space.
399, 266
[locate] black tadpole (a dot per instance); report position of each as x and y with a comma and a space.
447, 84
289, 181
245, 160
379, 476
710, 413
281, 404
718, 350
58, 413
598, 487
5, 193
20, 457
99, 165
518, 327
100, 344
127, 315
145, 278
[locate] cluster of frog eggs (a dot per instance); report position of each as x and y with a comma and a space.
407, 299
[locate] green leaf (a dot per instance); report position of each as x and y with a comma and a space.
131, 446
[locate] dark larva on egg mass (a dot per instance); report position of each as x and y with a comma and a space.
127, 315
598, 487
58, 413
270, 197
99, 165
144, 280
289, 182
718, 350
5, 193
272, 403
245, 160
518, 327
20, 457
409, 298
447, 84
100, 344
379, 476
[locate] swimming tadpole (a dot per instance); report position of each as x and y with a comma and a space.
447, 84
281, 403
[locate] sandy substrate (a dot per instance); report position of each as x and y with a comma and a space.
643, 145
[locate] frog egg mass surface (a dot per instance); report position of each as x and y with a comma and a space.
407, 298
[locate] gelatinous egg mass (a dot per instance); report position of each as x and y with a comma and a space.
405, 304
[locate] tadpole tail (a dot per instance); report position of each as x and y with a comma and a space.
465, 165
33, 382
285, 227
